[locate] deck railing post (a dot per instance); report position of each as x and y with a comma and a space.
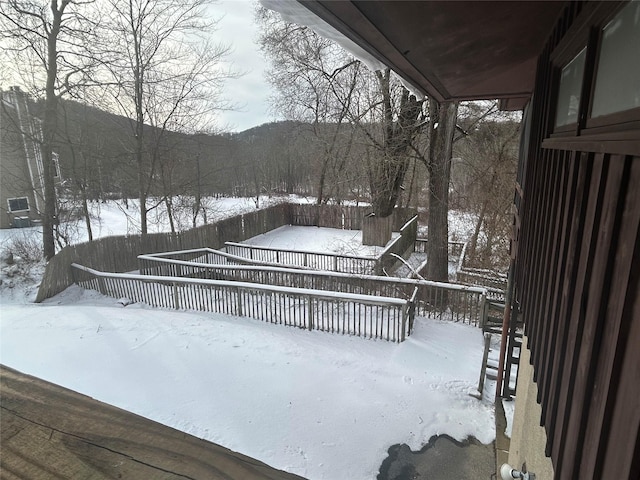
310, 311
484, 310
405, 313
176, 300
239, 301
101, 286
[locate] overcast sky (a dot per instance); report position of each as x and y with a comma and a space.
251, 91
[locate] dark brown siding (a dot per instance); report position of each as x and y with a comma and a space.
577, 269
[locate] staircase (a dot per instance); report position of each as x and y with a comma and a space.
492, 328
495, 314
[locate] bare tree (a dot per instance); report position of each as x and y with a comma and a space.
316, 82
442, 128
49, 49
309, 74
401, 123
488, 160
168, 78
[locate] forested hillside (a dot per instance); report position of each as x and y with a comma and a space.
323, 160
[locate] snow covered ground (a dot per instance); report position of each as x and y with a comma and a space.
319, 405
317, 239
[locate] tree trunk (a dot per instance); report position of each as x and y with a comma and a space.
388, 172
443, 122
376, 231
473, 242
169, 206
49, 127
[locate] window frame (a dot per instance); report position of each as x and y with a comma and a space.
616, 132
26, 199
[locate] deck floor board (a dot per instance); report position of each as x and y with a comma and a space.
47, 431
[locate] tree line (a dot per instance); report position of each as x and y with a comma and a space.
404, 147
153, 61
128, 91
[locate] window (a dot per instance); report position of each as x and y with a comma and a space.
617, 84
18, 204
595, 70
569, 90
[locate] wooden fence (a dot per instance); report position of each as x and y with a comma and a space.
399, 247
459, 303
342, 216
119, 253
362, 315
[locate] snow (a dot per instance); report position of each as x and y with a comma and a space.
509, 409
294, 12
318, 240
320, 405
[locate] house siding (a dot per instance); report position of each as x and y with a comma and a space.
576, 281
529, 439
16, 173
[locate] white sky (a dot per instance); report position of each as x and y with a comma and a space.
251, 91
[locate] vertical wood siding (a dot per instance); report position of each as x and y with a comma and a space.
577, 270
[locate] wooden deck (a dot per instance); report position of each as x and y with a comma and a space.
51, 432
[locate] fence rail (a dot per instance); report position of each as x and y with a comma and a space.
459, 303
399, 246
455, 248
118, 253
362, 315
495, 283
157, 263
310, 260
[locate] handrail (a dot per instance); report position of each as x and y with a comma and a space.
391, 280
378, 300
306, 259
347, 313
435, 299
228, 256
308, 252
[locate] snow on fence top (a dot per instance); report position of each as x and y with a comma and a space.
460, 303
336, 312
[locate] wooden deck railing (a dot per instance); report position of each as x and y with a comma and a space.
160, 263
305, 259
362, 315
455, 248
458, 303
495, 283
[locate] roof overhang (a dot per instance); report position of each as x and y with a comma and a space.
451, 50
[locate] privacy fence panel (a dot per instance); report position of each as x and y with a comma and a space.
119, 253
